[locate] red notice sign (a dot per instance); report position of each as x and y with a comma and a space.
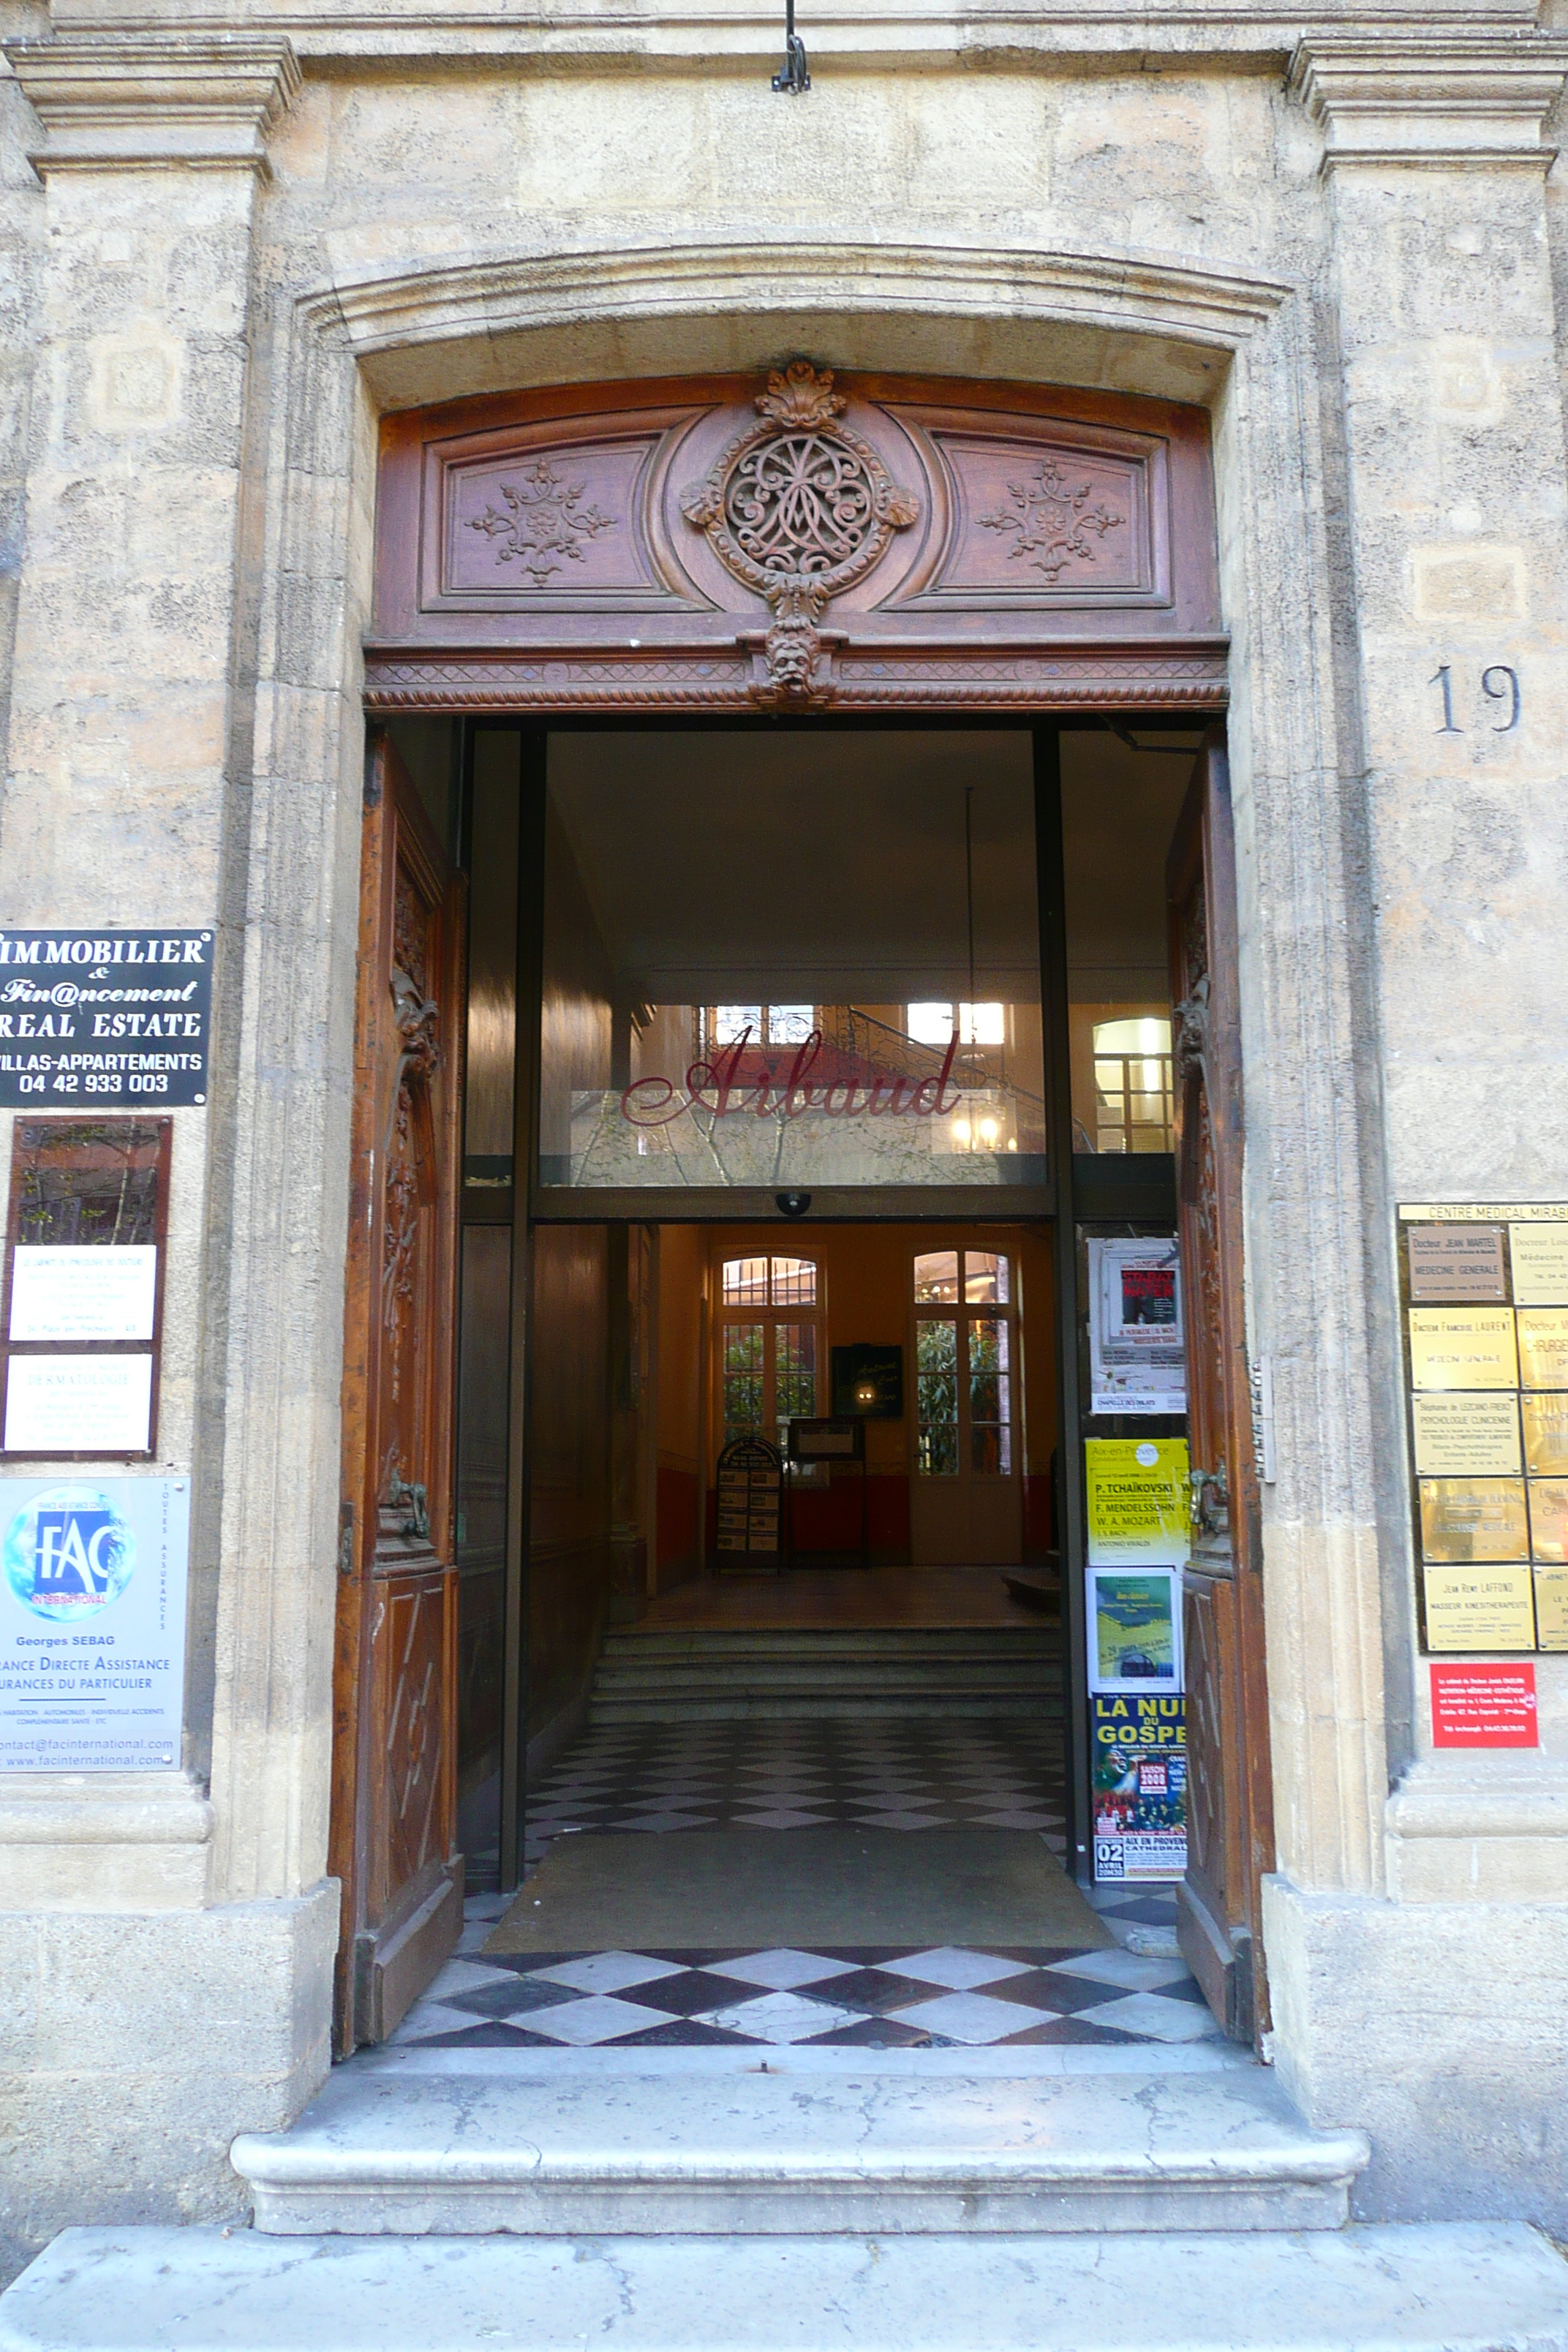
1483, 1707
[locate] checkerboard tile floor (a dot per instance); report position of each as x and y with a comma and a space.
875, 1997
906, 1773
864, 1997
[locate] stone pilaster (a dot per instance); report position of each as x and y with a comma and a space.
128, 699
1453, 521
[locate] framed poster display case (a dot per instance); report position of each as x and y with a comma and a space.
79, 1185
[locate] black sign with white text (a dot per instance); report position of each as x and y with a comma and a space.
90, 1018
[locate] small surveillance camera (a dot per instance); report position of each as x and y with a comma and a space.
792, 1204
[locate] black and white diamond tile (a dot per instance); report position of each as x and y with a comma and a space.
907, 1774
910, 1774
866, 1997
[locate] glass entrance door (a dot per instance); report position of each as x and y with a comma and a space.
966, 1503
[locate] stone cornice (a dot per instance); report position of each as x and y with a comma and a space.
1468, 99
132, 101
876, 35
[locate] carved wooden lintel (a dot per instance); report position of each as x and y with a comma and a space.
692, 544
841, 673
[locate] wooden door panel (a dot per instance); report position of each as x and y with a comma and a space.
413, 1725
1215, 1857
996, 1520
939, 1522
394, 1760
1229, 1791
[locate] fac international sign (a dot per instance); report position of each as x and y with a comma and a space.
92, 1623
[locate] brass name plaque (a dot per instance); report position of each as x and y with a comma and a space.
1480, 1609
1543, 1348
1549, 1521
1552, 1608
1467, 1436
1456, 1262
1546, 1434
1487, 1325
1539, 1256
1474, 1519
1463, 1348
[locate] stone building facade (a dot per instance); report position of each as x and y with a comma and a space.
233, 242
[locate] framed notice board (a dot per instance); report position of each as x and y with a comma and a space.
1484, 1299
750, 1475
81, 1294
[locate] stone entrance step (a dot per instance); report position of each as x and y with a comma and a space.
788, 2144
1458, 2287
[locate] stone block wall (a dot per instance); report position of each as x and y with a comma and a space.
231, 251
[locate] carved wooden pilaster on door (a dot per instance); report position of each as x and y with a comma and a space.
1230, 1832
395, 1749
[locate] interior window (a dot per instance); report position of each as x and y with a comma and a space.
786, 960
1132, 1084
756, 1024
974, 1025
770, 1347
964, 1362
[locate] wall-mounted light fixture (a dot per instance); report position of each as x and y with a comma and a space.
793, 75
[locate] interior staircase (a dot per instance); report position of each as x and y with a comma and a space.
720, 1677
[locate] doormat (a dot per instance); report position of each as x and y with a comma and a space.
754, 1888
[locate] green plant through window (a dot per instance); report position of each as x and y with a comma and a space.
770, 1348
963, 1364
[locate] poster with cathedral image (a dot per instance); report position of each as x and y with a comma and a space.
1140, 1786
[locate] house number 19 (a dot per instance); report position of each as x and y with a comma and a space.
1499, 684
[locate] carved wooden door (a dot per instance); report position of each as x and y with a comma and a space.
394, 1731
1230, 1828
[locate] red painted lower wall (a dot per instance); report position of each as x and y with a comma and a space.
827, 1520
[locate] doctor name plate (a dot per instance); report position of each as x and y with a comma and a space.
1484, 1287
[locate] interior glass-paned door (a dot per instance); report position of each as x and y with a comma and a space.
966, 1507
769, 1346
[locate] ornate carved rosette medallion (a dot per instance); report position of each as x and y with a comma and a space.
799, 506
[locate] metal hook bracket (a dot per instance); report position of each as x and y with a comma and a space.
795, 75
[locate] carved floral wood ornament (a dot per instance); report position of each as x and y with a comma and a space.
1054, 519
544, 524
798, 508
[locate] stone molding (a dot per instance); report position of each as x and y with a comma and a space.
1474, 99
399, 332
105, 1842
135, 101
1479, 1828
871, 36
1452, 1797
472, 308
